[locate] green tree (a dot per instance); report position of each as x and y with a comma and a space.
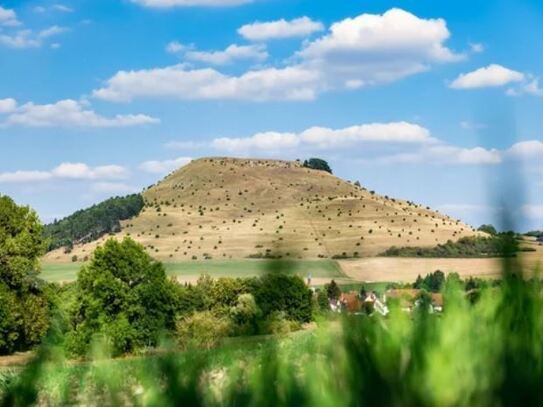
24, 306
332, 290
317, 164
286, 293
123, 294
490, 229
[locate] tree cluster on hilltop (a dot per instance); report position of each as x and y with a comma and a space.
317, 164
92, 223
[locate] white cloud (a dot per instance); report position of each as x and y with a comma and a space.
176, 82
273, 141
51, 32
83, 171
70, 113
8, 17
67, 171
476, 47
28, 39
533, 211
164, 167
7, 105
357, 52
189, 3
62, 8
298, 27
230, 54
467, 156
24, 176
530, 87
373, 49
526, 150
491, 76
326, 138
443, 154
175, 47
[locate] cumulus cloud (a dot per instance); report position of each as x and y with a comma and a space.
231, 53
70, 113
372, 49
7, 105
8, 17
491, 76
189, 3
324, 138
442, 154
356, 52
526, 150
176, 82
379, 143
67, 171
298, 27
165, 166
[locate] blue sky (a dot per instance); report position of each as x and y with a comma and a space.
436, 102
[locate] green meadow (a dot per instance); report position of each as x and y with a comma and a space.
57, 272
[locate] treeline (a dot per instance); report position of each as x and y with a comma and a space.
125, 296
92, 223
499, 245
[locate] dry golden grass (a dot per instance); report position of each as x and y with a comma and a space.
227, 208
406, 269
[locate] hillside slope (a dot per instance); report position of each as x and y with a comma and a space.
237, 208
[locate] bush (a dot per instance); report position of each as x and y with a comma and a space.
201, 330
245, 315
277, 324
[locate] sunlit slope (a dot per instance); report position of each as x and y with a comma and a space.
224, 208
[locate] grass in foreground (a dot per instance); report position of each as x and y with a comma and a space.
482, 353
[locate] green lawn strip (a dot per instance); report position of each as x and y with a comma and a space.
217, 268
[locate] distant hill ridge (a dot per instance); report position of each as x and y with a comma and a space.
223, 208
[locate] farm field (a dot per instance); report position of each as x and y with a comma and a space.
322, 271
406, 269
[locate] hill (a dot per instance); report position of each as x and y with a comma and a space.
228, 208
